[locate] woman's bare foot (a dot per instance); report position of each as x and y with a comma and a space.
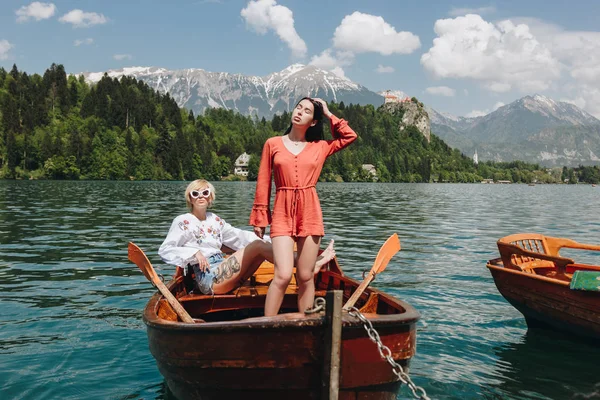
326, 256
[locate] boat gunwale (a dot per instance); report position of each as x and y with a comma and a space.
497, 265
410, 316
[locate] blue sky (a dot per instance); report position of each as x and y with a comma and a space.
461, 57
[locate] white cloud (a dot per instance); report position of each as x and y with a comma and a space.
35, 10
361, 33
579, 54
333, 62
328, 60
441, 91
5, 47
82, 19
481, 113
458, 11
87, 41
384, 69
339, 71
121, 57
585, 96
500, 56
265, 15
477, 113
498, 87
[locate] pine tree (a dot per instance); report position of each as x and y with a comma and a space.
12, 153
10, 112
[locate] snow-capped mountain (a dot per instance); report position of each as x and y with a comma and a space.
197, 89
533, 128
441, 118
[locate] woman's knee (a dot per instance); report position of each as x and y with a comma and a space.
282, 278
304, 277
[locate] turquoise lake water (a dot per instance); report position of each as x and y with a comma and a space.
71, 324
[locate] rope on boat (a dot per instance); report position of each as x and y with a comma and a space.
318, 306
161, 277
384, 351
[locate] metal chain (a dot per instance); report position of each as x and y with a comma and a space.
385, 352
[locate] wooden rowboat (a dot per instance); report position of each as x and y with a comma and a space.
232, 351
533, 276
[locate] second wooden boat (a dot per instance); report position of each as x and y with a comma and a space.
533, 276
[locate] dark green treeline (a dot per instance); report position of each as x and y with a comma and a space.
57, 126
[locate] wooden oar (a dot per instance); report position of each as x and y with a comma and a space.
386, 252
137, 256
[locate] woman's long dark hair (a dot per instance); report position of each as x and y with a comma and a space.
313, 133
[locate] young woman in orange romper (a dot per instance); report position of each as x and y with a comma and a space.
296, 160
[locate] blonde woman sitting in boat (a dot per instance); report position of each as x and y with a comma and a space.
196, 239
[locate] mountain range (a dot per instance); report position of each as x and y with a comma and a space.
533, 128
197, 89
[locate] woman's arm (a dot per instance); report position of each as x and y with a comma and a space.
236, 238
261, 213
173, 250
343, 135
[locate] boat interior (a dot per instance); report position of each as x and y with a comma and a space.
537, 254
247, 302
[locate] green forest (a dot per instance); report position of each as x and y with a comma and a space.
57, 126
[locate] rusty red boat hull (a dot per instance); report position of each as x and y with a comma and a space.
277, 357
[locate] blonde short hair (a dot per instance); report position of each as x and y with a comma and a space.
199, 184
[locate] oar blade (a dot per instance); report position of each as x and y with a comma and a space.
386, 252
139, 258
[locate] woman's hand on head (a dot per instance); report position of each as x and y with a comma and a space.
259, 231
323, 103
203, 263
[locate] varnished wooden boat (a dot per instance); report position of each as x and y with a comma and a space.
234, 352
533, 276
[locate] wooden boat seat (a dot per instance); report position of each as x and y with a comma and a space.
535, 253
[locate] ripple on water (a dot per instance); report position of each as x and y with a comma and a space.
71, 326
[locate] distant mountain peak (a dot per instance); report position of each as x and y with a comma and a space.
530, 129
198, 89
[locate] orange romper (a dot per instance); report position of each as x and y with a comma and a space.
297, 210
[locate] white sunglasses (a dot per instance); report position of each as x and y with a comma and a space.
200, 193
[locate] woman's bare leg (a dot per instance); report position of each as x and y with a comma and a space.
283, 258
240, 266
232, 272
308, 247
323, 258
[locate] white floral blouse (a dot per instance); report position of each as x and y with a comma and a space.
188, 234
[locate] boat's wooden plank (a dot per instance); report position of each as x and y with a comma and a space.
371, 304
571, 268
261, 290
165, 311
333, 340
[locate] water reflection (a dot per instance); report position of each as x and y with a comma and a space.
546, 364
